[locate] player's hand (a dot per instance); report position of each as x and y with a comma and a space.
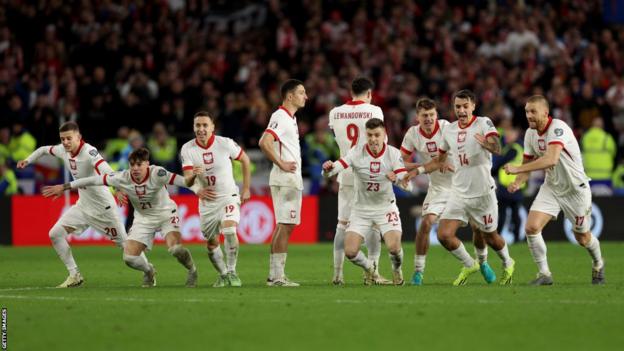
122, 198
510, 169
198, 170
328, 166
54, 191
513, 187
288, 166
207, 194
22, 164
245, 195
480, 139
391, 176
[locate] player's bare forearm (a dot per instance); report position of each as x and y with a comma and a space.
266, 145
246, 166
493, 145
411, 165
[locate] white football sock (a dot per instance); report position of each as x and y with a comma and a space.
481, 254
339, 249
373, 245
137, 262
419, 263
183, 255
361, 260
538, 250
59, 242
463, 255
593, 247
279, 264
216, 258
397, 260
504, 256
230, 242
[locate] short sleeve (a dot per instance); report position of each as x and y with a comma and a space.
397, 162
276, 127
488, 127
163, 176
379, 113
558, 135
407, 146
444, 145
98, 162
185, 159
234, 150
529, 154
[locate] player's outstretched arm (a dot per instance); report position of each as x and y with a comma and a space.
266, 145
550, 159
331, 168
55, 191
43, 150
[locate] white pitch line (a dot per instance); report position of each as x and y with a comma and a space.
278, 301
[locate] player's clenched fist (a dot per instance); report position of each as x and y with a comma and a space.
328, 166
510, 169
22, 164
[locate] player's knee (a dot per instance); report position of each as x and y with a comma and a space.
229, 231
57, 232
212, 244
532, 228
583, 238
176, 249
130, 260
351, 252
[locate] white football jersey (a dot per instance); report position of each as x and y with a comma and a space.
568, 173
283, 127
348, 122
148, 196
426, 147
373, 191
472, 162
216, 158
86, 162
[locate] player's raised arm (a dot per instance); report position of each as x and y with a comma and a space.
53, 150
330, 168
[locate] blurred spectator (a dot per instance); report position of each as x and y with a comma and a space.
8, 180
5, 138
512, 153
22, 143
320, 146
598, 149
163, 148
116, 146
135, 142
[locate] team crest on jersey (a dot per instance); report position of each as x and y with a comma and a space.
140, 190
208, 158
72, 164
432, 146
541, 144
375, 167
558, 132
461, 137
162, 173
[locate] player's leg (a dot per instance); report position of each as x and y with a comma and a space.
481, 252
345, 203
72, 221
353, 252
392, 239
577, 209
483, 212
230, 242
173, 239
287, 206
545, 208
422, 247
132, 257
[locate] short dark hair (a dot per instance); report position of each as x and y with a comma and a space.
67, 126
425, 104
289, 86
539, 98
360, 85
203, 114
465, 94
375, 123
139, 155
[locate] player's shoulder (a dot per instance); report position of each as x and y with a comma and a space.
443, 123
560, 128
393, 151
485, 120
90, 150
412, 132
189, 145
280, 112
157, 171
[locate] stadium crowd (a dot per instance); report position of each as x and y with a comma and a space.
134, 74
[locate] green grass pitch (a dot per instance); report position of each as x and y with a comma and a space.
112, 312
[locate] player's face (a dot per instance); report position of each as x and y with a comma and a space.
139, 169
463, 110
427, 118
536, 114
70, 140
298, 97
203, 128
375, 138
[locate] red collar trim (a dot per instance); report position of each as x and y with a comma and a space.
79, 148
474, 118
210, 142
383, 149
429, 136
149, 170
540, 133
355, 102
285, 109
